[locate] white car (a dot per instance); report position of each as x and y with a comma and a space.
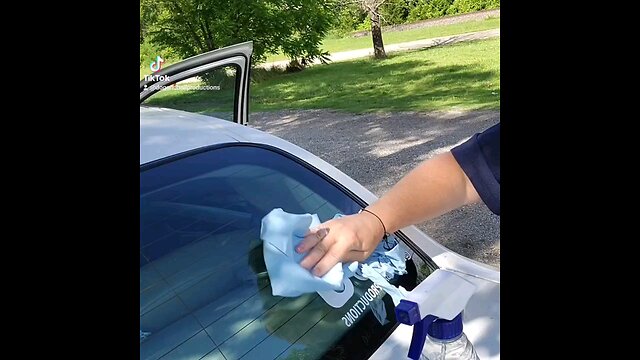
205, 185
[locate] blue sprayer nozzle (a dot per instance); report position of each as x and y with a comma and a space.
443, 295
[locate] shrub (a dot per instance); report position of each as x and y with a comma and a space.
466, 6
397, 11
429, 9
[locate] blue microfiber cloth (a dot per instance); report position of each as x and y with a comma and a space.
282, 232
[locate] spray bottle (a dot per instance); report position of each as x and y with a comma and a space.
434, 308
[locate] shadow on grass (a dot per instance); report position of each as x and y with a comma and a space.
368, 86
408, 81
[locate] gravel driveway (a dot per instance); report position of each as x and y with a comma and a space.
378, 149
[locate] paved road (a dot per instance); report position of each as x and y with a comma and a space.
392, 48
378, 149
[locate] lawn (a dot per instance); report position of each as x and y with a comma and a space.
394, 37
464, 76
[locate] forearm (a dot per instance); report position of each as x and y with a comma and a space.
434, 187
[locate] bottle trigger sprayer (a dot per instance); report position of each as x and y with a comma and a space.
442, 295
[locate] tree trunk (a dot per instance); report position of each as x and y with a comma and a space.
376, 35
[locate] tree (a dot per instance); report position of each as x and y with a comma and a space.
190, 27
372, 7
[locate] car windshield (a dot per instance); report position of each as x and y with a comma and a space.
204, 288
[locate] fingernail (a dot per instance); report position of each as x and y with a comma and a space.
299, 249
316, 272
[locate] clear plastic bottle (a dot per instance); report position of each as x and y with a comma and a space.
446, 341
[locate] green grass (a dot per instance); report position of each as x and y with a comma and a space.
394, 37
461, 76
464, 76
218, 103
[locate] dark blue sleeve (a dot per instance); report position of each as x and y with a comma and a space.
479, 158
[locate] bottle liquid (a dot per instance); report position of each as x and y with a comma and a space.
446, 341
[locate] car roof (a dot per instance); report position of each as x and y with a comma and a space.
165, 132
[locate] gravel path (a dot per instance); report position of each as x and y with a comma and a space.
378, 149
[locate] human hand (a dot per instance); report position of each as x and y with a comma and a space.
345, 239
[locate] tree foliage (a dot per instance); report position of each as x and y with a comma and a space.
397, 11
349, 16
353, 17
465, 6
190, 27
429, 9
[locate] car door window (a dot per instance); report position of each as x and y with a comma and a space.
211, 93
204, 288
214, 83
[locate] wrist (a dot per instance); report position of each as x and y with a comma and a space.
380, 229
